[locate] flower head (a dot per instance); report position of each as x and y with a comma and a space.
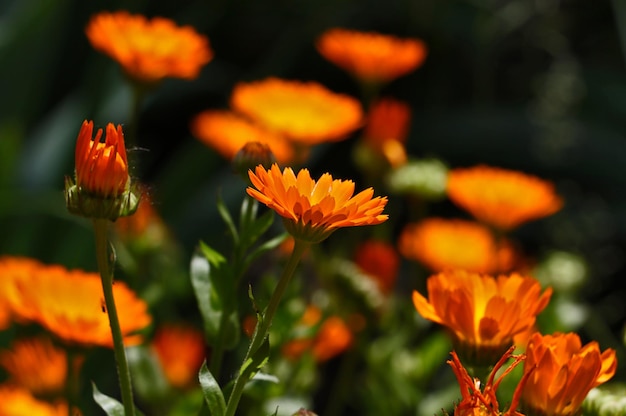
482, 313
312, 210
369, 56
502, 198
180, 350
380, 261
304, 112
18, 402
563, 372
149, 49
443, 244
70, 303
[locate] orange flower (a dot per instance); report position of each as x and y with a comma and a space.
380, 261
18, 402
149, 50
442, 244
563, 372
228, 132
304, 112
482, 313
370, 56
70, 303
312, 210
502, 198
388, 119
180, 350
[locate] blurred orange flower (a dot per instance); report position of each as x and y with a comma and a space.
502, 198
227, 132
149, 50
563, 372
304, 112
442, 244
312, 210
19, 402
369, 56
181, 351
387, 128
482, 313
70, 303
380, 261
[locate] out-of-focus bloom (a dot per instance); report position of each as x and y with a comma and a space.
19, 402
144, 229
425, 178
482, 313
149, 49
227, 132
443, 244
371, 57
180, 350
103, 188
563, 372
502, 198
304, 112
475, 402
312, 210
70, 303
380, 261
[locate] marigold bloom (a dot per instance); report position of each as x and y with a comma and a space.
70, 303
380, 261
442, 244
312, 210
502, 198
482, 313
19, 402
369, 56
149, 50
227, 132
181, 351
388, 119
304, 112
564, 372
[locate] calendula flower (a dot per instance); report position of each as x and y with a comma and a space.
19, 402
70, 303
563, 372
305, 112
312, 210
227, 132
380, 261
482, 313
369, 56
181, 351
443, 244
502, 198
149, 50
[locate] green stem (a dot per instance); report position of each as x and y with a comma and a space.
263, 327
106, 275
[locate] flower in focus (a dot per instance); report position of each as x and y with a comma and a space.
70, 303
181, 351
563, 372
149, 49
19, 402
312, 210
305, 112
369, 56
502, 198
482, 313
380, 261
442, 244
227, 132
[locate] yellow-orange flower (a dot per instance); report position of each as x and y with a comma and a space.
482, 313
369, 56
149, 49
380, 261
19, 402
181, 351
70, 303
312, 210
304, 112
227, 132
442, 244
563, 372
502, 198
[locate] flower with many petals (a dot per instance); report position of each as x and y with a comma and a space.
502, 198
149, 49
380, 261
482, 313
304, 112
563, 372
312, 210
19, 402
181, 351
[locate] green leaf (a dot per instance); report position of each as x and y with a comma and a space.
264, 248
257, 360
212, 392
223, 211
214, 257
208, 301
251, 232
110, 406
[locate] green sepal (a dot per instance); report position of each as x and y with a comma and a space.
80, 202
213, 395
